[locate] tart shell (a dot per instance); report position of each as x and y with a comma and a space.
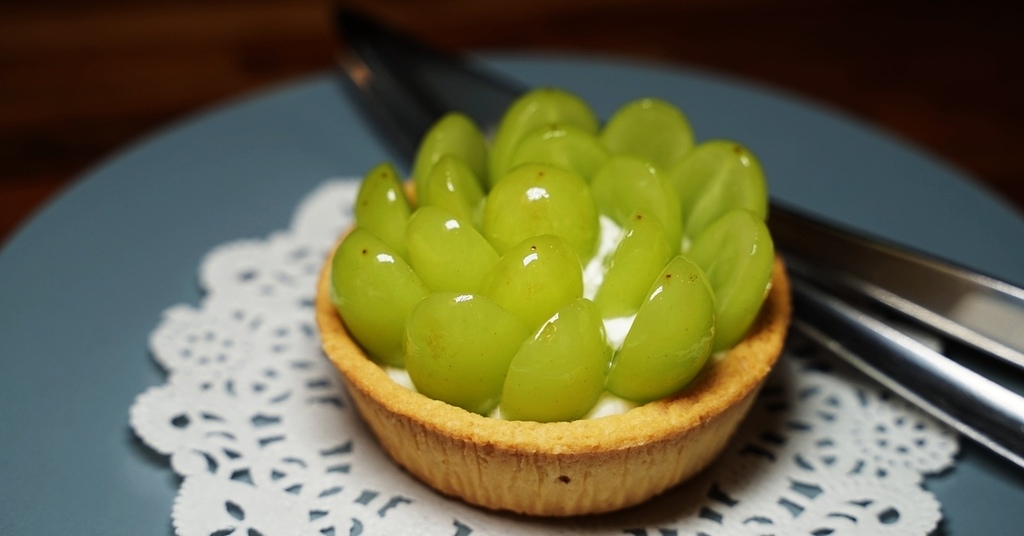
563, 468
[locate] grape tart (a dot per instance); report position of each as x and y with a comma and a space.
572, 466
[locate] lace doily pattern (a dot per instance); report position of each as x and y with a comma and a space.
266, 441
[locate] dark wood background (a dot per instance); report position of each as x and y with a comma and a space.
81, 78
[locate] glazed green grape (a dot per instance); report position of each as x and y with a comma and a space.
458, 349
539, 199
671, 337
638, 259
534, 278
650, 129
448, 253
381, 207
374, 291
451, 185
716, 177
625, 184
535, 109
558, 373
565, 146
736, 253
452, 134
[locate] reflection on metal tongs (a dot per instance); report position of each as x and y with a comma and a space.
840, 279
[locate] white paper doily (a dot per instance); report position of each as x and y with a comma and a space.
255, 421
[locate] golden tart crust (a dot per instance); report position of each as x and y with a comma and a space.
563, 468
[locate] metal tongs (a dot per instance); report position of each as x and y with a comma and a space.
840, 280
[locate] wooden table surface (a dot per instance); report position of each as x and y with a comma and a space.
81, 78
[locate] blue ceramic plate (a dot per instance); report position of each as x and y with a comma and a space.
85, 281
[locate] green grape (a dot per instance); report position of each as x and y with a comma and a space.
374, 291
539, 199
534, 278
671, 336
638, 259
458, 349
716, 177
558, 373
650, 129
451, 185
452, 134
736, 253
381, 207
565, 146
535, 109
625, 184
448, 253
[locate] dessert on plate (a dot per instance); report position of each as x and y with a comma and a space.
567, 319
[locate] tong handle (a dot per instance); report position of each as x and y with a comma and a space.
959, 303
972, 404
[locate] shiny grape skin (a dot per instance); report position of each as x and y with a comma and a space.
453, 134
671, 336
374, 291
537, 199
453, 186
558, 374
448, 253
458, 348
382, 208
652, 130
535, 278
625, 184
564, 146
716, 177
534, 109
637, 260
736, 252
